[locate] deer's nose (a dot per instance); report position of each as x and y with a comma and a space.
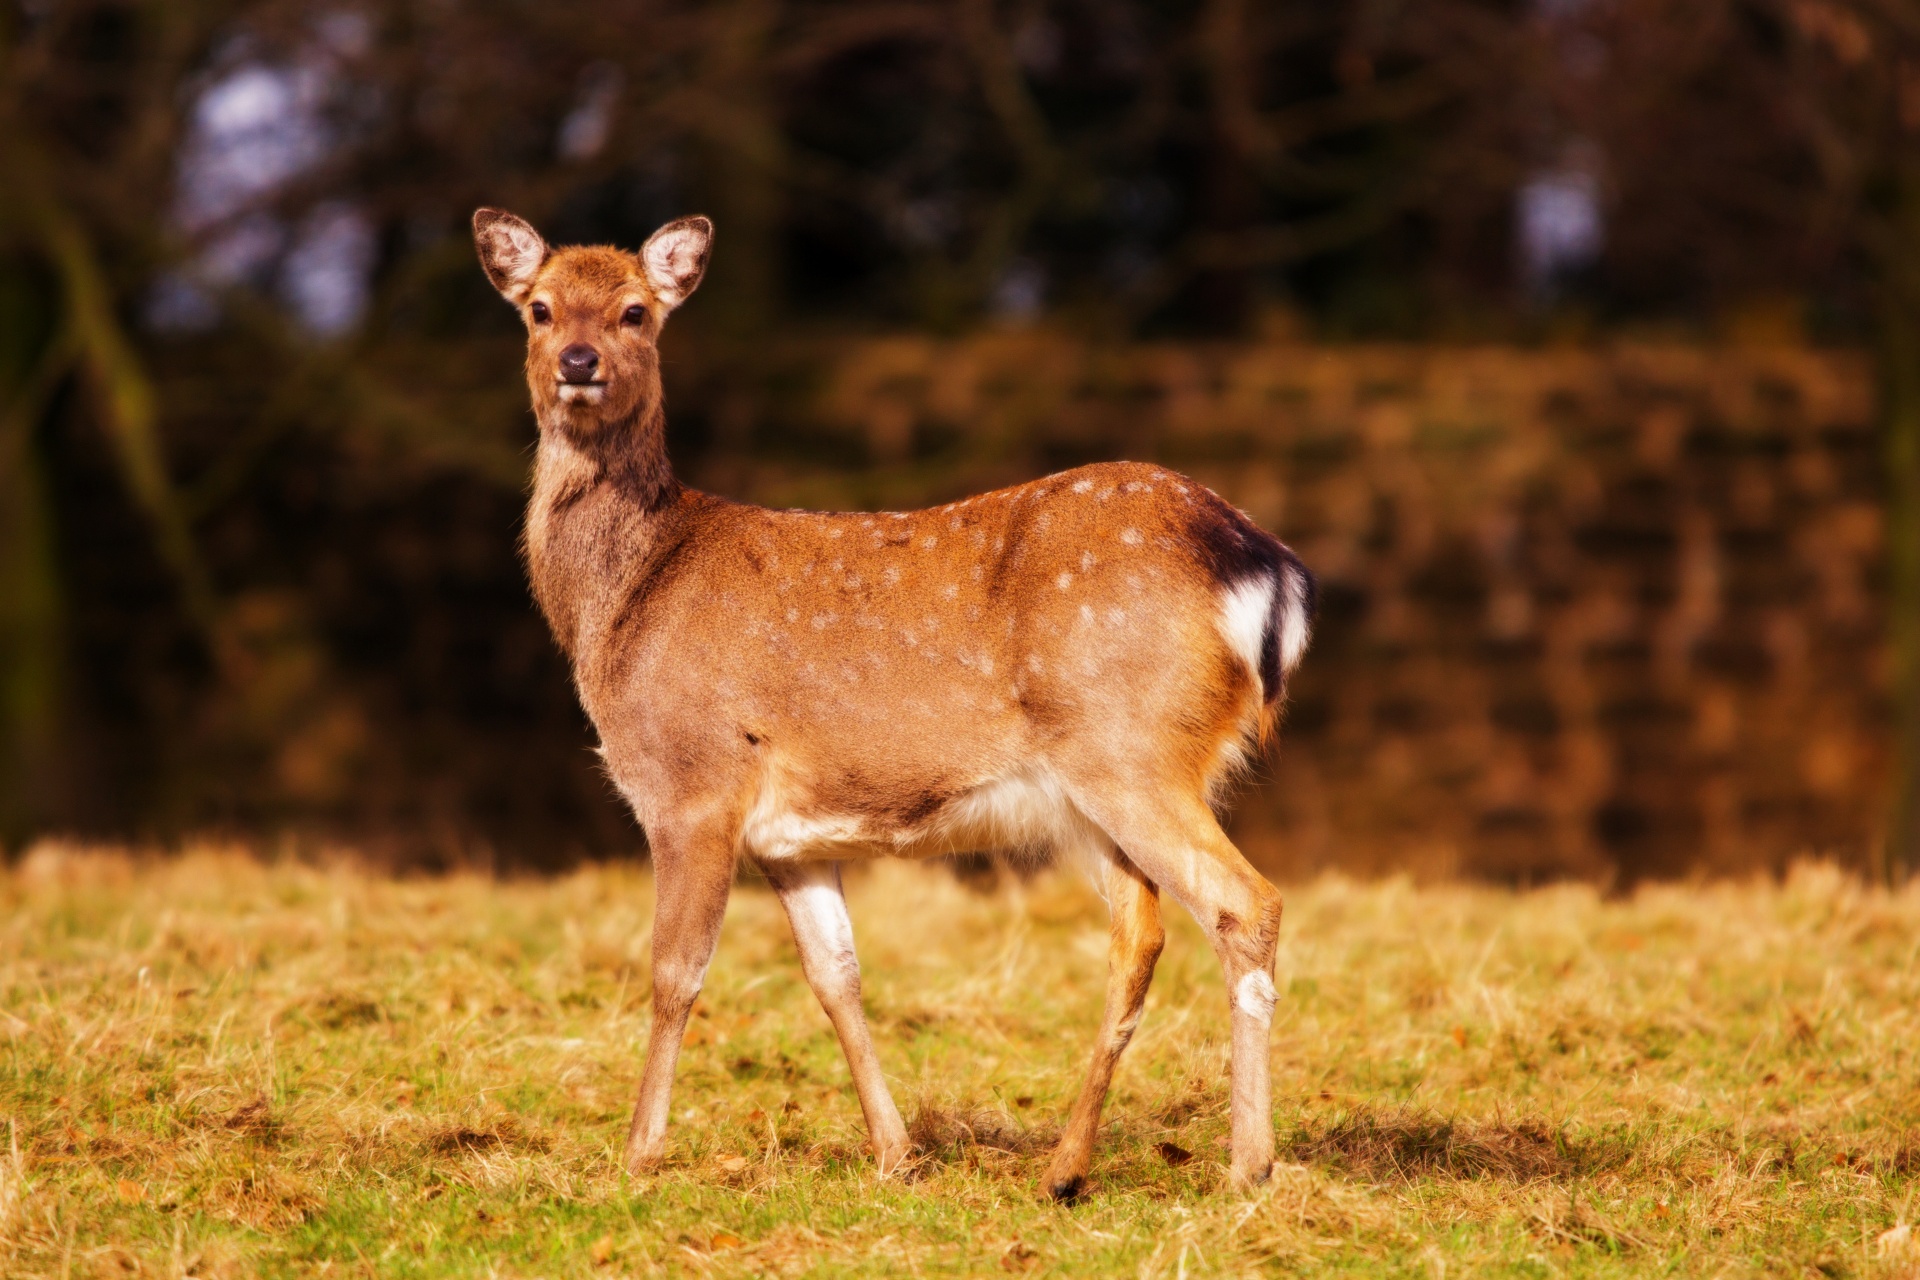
578, 362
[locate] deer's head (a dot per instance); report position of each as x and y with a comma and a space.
593, 314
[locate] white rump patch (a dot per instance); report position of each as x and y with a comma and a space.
1243, 619
1294, 627
1245, 609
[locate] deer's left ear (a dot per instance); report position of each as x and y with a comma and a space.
675, 257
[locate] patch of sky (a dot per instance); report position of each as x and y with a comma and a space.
256, 127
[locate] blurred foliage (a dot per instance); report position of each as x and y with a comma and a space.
258, 576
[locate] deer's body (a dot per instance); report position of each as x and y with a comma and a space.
1073, 665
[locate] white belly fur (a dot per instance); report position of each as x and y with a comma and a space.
1026, 813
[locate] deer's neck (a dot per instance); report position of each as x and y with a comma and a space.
601, 500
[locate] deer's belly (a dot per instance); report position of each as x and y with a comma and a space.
1024, 813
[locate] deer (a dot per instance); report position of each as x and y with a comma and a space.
1077, 667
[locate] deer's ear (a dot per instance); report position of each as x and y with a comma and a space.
511, 252
675, 257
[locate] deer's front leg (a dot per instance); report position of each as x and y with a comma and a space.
692, 873
817, 909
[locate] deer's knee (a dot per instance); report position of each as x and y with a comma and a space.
676, 985
835, 978
1248, 933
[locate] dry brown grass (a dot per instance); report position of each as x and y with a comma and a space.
219, 1067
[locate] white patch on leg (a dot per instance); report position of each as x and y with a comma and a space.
820, 915
1254, 995
1243, 619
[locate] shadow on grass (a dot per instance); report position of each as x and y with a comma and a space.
948, 1135
1410, 1143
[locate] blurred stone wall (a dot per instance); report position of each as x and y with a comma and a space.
1607, 613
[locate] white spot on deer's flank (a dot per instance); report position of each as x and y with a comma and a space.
1064, 581
1086, 561
954, 523
949, 591
793, 615
1130, 536
929, 542
834, 533
1086, 613
892, 575
821, 621
1081, 486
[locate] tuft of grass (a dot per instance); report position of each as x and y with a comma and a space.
219, 1066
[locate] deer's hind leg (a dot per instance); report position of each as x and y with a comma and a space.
692, 875
1134, 941
817, 909
1177, 843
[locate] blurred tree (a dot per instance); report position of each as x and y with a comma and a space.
1760, 149
261, 455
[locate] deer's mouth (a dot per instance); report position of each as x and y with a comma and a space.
581, 392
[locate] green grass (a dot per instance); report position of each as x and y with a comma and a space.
214, 1067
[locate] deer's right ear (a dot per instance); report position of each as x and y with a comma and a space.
511, 252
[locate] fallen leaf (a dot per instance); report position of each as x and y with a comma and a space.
733, 1164
1660, 1210
601, 1250
1459, 1036
725, 1239
1024, 1100
1895, 1242
1173, 1153
1017, 1257
129, 1191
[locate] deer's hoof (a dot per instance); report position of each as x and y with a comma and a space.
1067, 1188
1246, 1179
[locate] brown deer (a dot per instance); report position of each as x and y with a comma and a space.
1076, 665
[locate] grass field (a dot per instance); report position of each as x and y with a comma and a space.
215, 1067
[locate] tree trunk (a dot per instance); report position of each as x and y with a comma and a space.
29, 577
1899, 357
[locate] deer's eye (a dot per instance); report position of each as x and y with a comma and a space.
540, 313
635, 314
